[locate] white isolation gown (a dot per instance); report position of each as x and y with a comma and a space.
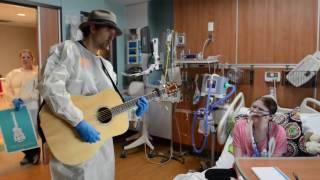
22, 83
71, 69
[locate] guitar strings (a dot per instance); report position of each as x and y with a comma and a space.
108, 112
105, 112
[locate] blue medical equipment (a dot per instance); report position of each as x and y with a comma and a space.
216, 83
215, 87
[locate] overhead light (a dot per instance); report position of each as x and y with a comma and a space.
21, 14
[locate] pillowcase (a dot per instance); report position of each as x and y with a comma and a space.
292, 124
310, 122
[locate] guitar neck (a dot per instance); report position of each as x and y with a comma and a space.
131, 103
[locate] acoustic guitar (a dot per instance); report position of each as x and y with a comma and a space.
105, 111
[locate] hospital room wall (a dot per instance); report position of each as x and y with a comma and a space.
192, 17
18, 39
269, 32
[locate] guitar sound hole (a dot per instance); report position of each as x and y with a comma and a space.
104, 115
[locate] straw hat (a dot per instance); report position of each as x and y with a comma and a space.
102, 17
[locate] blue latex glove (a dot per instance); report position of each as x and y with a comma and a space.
87, 132
143, 106
18, 103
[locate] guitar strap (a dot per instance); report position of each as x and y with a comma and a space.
39, 128
113, 84
107, 73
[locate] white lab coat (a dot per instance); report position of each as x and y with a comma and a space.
73, 70
22, 83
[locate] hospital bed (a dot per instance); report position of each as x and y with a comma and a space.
310, 118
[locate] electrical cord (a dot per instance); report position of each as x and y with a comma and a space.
206, 43
171, 149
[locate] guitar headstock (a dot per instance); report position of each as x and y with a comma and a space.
171, 88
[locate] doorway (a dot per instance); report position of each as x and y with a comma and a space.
18, 27
23, 25
26, 25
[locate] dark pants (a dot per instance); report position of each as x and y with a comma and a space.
220, 174
29, 154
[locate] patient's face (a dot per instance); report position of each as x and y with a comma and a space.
258, 110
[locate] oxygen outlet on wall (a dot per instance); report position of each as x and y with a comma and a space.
210, 29
272, 76
210, 26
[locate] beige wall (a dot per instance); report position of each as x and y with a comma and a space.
12, 40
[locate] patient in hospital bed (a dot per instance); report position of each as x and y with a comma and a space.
257, 135
301, 124
254, 135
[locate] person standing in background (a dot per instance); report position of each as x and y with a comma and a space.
21, 89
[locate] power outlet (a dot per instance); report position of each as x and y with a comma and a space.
272, 76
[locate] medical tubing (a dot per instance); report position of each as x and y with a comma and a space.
206, 43
194, 122
222, 100
167, 60
211, 108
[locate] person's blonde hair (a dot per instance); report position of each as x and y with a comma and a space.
27, 51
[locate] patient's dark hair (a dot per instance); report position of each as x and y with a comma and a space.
269, 103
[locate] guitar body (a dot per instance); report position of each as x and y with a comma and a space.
64, 142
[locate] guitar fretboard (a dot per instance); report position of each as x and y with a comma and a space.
131, 103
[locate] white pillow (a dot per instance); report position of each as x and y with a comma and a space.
310, 122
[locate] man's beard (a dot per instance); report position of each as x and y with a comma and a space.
104, 46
